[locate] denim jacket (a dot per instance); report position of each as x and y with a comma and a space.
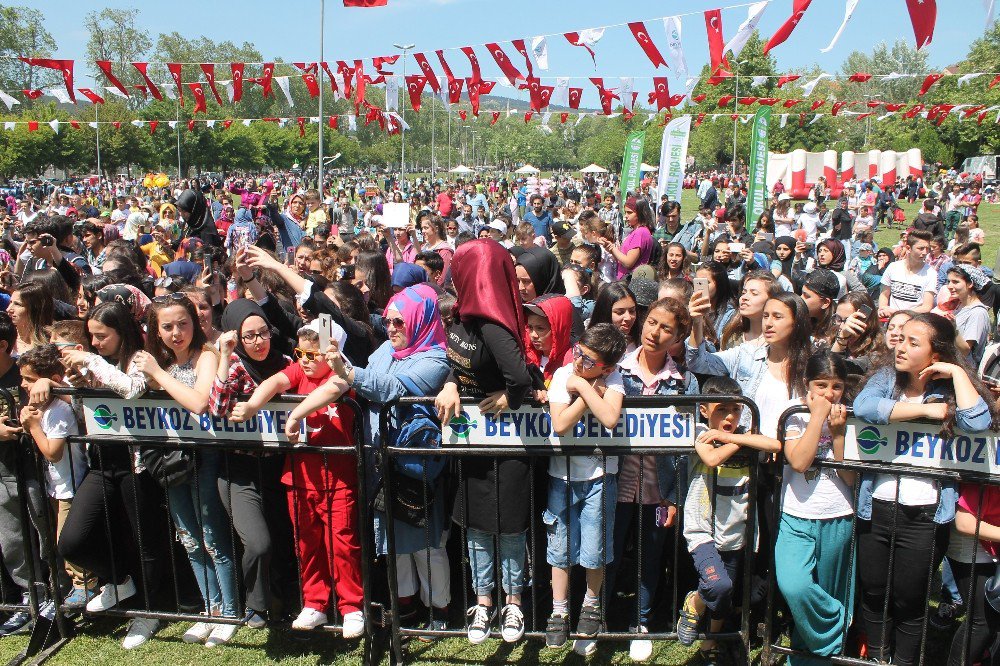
678, 383
746, 364
875, 404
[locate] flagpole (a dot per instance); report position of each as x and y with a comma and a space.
736, 104
97, 126
402, 115
179, 176
433, 158
319, 72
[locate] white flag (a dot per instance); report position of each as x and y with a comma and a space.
650, 118
579, 118
673, 157
739, 40
962, 80
8, 100
990, 7
815, 118
246, 122
848, 12
8, 125
746, 118
807, 88
93, 125
560, 96
546, 117
887, 115
896, 75
59, 93
784, 120
54, 124
114, 91
282, 82
169, 90
172, 124
352, 123
137, 123
675, 50
210, 124
759, 80
540, 49
230, 91
398, 118
591, 36
445, 99
628, 83
391, 93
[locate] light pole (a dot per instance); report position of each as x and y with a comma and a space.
473, 132
736, 103
402, 132
97, 128
319, 76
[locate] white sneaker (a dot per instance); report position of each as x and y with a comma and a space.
354, 624
584, 647
197, 632
222, 633
640, 650
309, 618
111, 595
140, 630
511, 623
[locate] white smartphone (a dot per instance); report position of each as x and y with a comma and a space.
702, 285
736, 248
324, 332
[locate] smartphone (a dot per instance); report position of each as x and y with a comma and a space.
993, 381
702, 285
736, 248
290, 257
324, 332
662, 516
865, 311
768, 237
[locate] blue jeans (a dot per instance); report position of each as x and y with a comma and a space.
482, 559
573, 522
949, 588
203, 530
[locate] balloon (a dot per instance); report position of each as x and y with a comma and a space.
161, 180
147, 182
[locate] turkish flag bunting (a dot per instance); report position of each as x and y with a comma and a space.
699, 120
455, 90
523, 50
153, 90
799, 8
545, 94
105, 67
914, 110
33, 125
190, 126
32, 94
716, 43
747, 101
152, 125
365, 3
445, 67
717, 78
859, 77
175, 73
312, 84
144, 90
837, 106
996, 80
504, 63
266, 78
894, 107
973, 109
199, 97
923, 15
359, 82
768, 101
574, 39
209, 69
428, 71
734, 116
527, 117
533, 86
64, 66
117, 124
472, 89
237, 69
486, 87
575, 95
698, 99
563, 117
818, 103
802, 119
981, 117
462, 114
873, 104
333, 80
347, 73
415, 87
928, 82
862, 116
332, 122
788, 78
605, 94
725, 100
789, 103
628, 115
473, 62
638, 29
675, 100
302, 125
75, 124
496, 117
381, 61
661, 92
226, 124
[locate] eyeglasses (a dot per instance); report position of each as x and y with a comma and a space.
397, 322
587, 362
176, 297
163, 281
306, 354
251, 337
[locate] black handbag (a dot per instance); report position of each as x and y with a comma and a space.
412, 500
169, 467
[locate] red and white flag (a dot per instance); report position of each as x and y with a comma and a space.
91, 95
504, 63
473, 62
105, 67
522, 48
199, 97
923, 16
928, 82
209, 69
175, 74
799, 8
428, 71
365, 3
716, 43
237, 69
415, 87
661, 93
63, 66
641, 35
575, 95
153, 90
587, 39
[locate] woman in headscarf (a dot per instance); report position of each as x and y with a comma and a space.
133, 226
406, 275
250, 482
193, 209
538, 272
291, 222
548, 334
831, 256
784, 248
486, 350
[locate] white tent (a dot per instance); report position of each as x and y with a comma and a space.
593, 168
646, 167
527, 168
461, 168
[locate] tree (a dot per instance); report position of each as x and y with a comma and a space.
114, 36
23, 34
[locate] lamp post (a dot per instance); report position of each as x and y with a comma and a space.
319, 76
736, 102
402, 132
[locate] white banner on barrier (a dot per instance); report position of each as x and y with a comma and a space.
920, 445
531, 426
163, 417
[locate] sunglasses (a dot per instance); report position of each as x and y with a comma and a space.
249, 338
170, 298
397, 322
163, 282
306, 354
587, 362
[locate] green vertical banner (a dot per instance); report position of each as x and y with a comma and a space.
632, 163
757, 186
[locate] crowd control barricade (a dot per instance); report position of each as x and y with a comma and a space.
912, 449
650, 427
115, 433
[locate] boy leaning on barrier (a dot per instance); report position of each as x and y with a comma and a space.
582, 487
715, 511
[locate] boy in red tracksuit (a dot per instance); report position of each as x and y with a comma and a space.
322, 494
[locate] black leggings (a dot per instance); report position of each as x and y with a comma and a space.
985, 621
919, 548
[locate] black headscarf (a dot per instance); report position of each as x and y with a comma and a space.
193, 203
836, 248
786, 264
544, 269
238, 312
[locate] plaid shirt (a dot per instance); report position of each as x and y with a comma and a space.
225, 394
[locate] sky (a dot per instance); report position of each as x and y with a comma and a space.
290, 30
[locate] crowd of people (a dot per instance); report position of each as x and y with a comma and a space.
567, 297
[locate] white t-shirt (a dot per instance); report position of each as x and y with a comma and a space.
581, 468
731, 501
771, 398
818, 492
809, 222
64, 477
906, 289
913, 491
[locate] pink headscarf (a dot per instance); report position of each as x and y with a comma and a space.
424, 331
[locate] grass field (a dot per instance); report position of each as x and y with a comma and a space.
100, 642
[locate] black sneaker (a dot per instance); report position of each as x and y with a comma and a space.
589, 624
946, 616
712, 657
480, 619
17, 623
557, 630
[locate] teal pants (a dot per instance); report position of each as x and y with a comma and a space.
815, 573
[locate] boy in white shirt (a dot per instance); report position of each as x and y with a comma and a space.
909, 284
582, 487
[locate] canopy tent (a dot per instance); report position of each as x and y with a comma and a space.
461, 168
647, 167
527, 168
593, 168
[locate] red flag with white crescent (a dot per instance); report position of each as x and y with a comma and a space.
923, 16
199, 97
563, 117
347, 73
365, 3
788, 78
799, 8
606, 95
91, 95
332, 122
641, 35
818, 103
153, 125
445, 67
462, 114
415, 87
428, 71
473, 62
575, 95
455, 90
267, 77
661, 92
312, 83
190, 125
105, 67
153, 90
859, 77
504, 63
522, 48
496, 117
237, 69
209, 69
302, 125
713, 25
928, 82
175, 74
359, 82
65, 67
472, 90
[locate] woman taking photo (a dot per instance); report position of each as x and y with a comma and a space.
616, 305
747, 325
720, 291
857, 334
637, 247
928, 379
31, 309
486, 350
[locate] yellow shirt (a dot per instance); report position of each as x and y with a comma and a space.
157, 257
316, 218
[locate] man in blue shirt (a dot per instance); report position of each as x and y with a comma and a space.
539, 218
475, 199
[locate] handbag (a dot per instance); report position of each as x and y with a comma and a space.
169, 467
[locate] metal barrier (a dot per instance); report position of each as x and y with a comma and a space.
650, 426
115, 438
915, 452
